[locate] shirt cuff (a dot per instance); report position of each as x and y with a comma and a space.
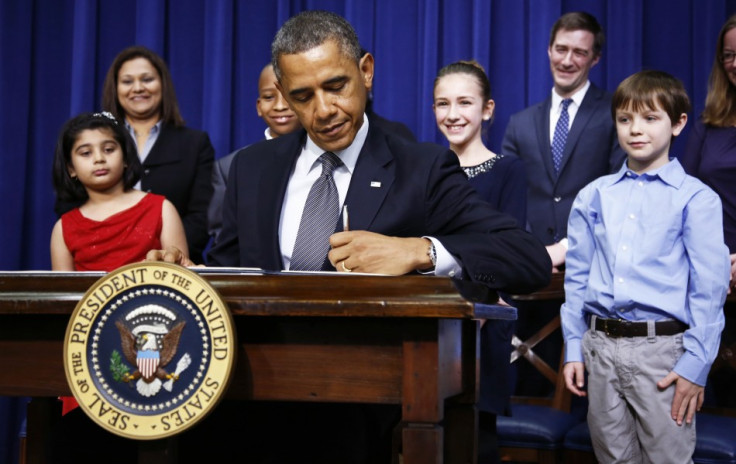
447, 265
574, 351
692, 369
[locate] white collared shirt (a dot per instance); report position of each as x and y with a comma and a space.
307, 170
556, 108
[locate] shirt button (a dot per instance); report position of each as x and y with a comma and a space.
558, 199
624, 248
641, 184
632, 216
452, 273
620, 280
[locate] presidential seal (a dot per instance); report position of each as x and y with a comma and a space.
149, 350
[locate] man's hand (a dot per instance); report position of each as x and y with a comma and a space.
363, 251
688, 397
170, 255
557, 254
574, 377
732, 283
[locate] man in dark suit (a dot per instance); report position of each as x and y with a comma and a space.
586, 148
591, 147
410, 206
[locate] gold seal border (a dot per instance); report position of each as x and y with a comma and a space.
222, 352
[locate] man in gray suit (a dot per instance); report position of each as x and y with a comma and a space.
587, 147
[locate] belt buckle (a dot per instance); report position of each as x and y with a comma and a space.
612, 331
605, 328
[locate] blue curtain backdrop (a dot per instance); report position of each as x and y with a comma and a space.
54, 55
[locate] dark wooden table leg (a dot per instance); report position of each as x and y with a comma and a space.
440, 362
38, 429
461, 412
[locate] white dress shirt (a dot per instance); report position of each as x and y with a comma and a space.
307, 170
556, 108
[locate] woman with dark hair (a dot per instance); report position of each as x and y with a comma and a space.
177, 161
710, 153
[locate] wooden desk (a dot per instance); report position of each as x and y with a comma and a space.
410, 341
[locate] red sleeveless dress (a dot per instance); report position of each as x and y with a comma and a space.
123, 238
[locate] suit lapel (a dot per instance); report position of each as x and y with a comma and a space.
371, 180
582, 118
272, 189
159, 155
541, 122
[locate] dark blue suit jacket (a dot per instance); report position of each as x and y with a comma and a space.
422, 191
591, 151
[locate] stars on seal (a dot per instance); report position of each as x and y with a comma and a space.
99, 355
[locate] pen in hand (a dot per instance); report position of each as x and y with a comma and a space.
345, 220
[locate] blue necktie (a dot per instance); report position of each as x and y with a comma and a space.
319, 219
558, 141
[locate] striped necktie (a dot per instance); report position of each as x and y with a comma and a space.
319, 219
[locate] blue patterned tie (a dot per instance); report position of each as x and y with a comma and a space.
558, 141
319, 219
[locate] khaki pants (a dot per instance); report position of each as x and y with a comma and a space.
628, 416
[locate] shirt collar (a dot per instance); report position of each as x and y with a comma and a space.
154, 130
577, 97
268, 133
348, 156
671, 173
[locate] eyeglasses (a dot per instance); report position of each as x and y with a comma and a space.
727, 57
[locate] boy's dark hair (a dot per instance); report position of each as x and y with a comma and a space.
645, 89
169, 105
580, 21
311, 29
71, 190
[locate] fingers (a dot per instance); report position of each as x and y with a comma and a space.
573, 373
339, 239
688, 397
667, 380
169, 255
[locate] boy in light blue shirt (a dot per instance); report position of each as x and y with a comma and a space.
646, 278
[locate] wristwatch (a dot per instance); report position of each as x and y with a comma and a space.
432, 254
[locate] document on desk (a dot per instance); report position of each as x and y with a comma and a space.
227, 270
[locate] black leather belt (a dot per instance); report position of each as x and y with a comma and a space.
622, 328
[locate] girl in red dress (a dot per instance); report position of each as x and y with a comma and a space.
96, 163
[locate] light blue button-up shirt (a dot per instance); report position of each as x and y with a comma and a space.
648, 247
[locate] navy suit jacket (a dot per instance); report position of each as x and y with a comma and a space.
222, 168
179, 167
591, 151
398, 188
